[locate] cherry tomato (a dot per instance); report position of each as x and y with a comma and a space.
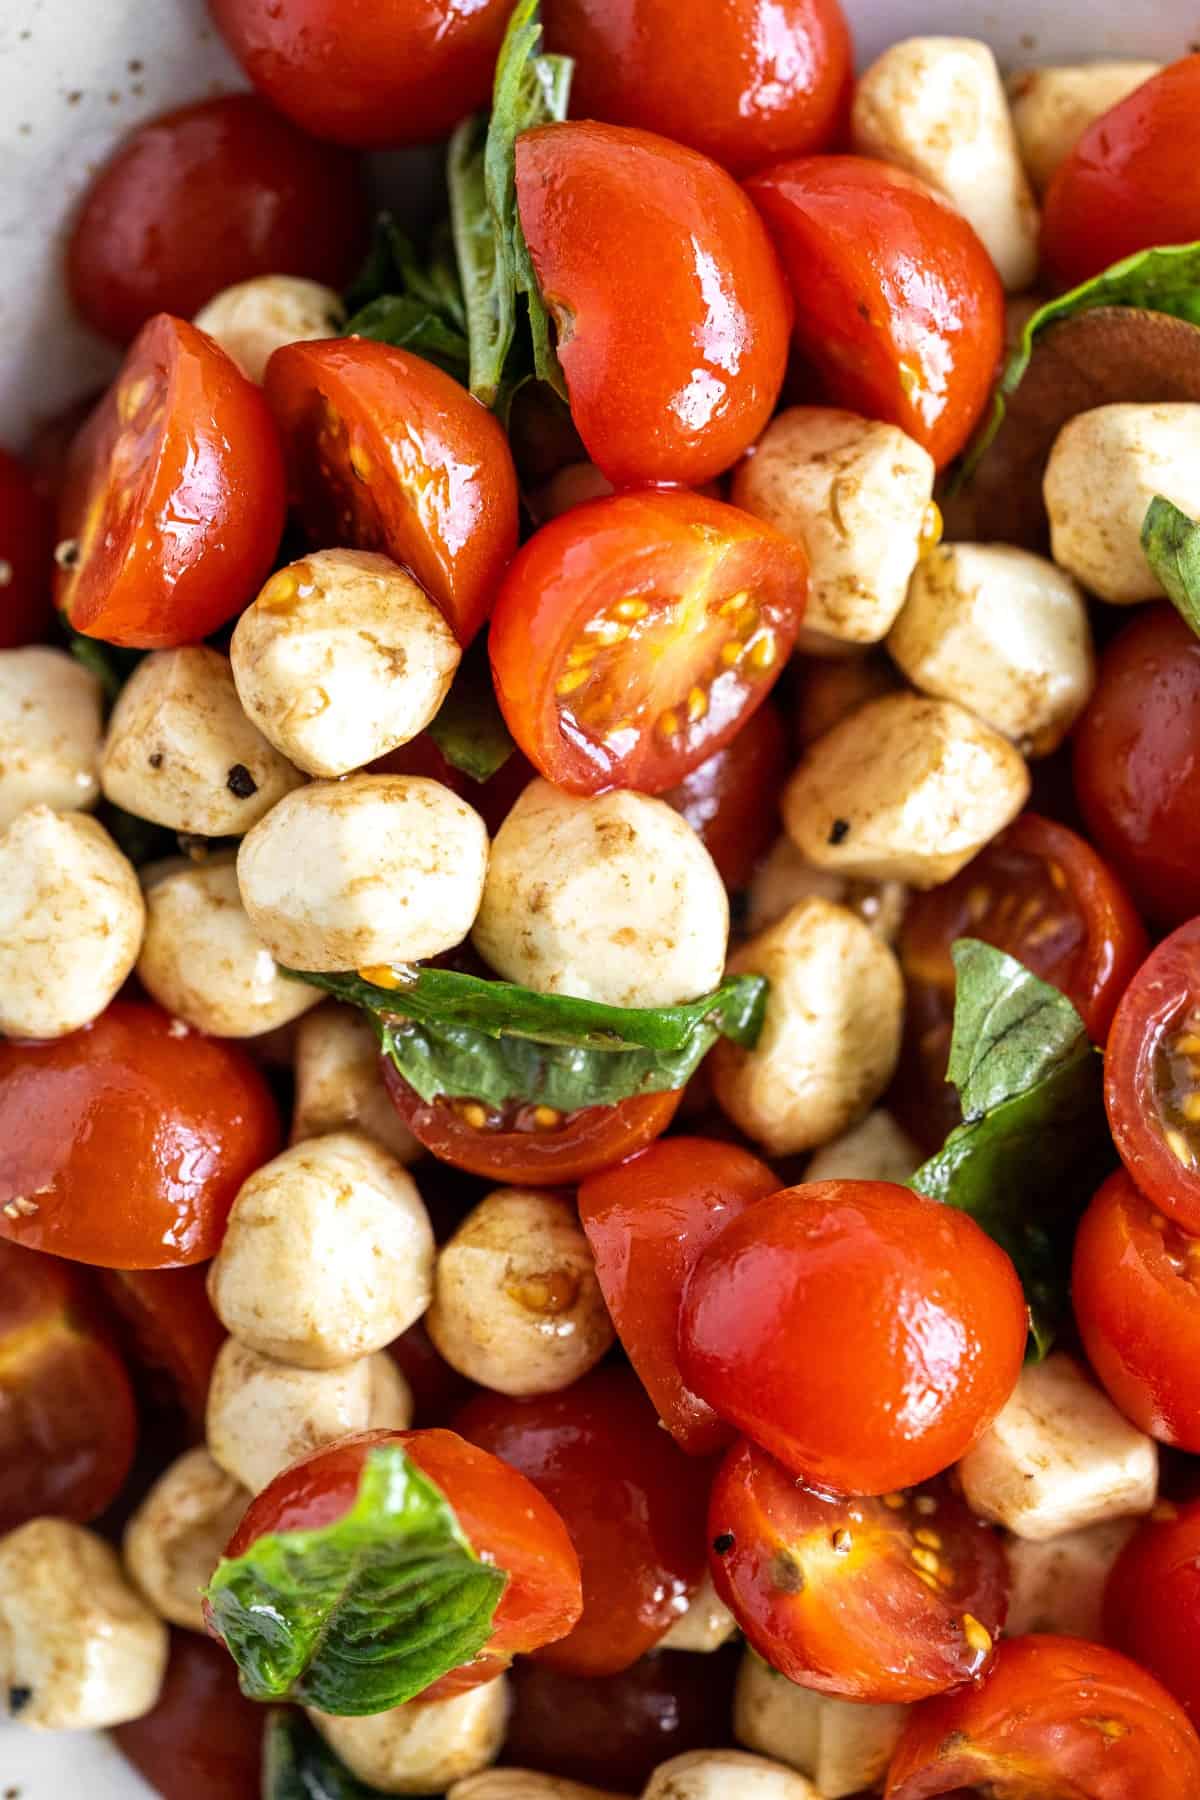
26, 542
898, 307
632, 1502
784, 1334
1129, 183
731, 799
174, 497
172, 1330
385, 452
437, 1389
1152, 1077
204, 197
634, 635
1055, 1716
203, 1740
648, 1222
1152, 1601
161, 1122
671, 308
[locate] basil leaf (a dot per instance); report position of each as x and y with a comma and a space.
111, 665
361, 1615
396, 300
469, 729
409, 324
299, 1765
1171, 541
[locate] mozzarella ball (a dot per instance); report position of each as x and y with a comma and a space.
831, 1037
875, 1149
841, 1745
338, 1083
253, 319
936, 106
181, 752
1106, 467
342, 657
1005, 634
785, 877
1058, 1585
726, 1775
71, 919
906, 789
422, 1747
705, 1626
79, 1649
328, 1254
612, 899
856, 493
51, 729
1053, 107
524, 1784
364, 873
264, 1415
178, 1535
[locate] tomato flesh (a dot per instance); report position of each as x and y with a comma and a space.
731, 799
203, 1739
1152, 1077
26, 541
1152, 1601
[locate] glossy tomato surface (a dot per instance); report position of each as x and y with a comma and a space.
898, 307
1152, 1077
731, 799
171, 1331
387, 453
26, 542
203, 1739
204, 197
125, 1143
864, 1335
635, 634
671, 308
1152, 1601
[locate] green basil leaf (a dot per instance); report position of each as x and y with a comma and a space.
469, 729
397, 300
410, 324
364, 1614
1171, 541
299, 1765
111, 665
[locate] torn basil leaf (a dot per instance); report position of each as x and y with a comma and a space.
299, 1765
1171, 541
469, 729
398, 300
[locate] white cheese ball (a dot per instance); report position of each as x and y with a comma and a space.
71, 919
831, 1036
79, 1649
726, 1775
906, 789
364, 873
784, 876
181, 752
1004, 633
612, 899
253, 319
706, 1624
1058, 1585
856, 493
1053, 107
841, 1745
342, 657
51, 729
328, 1254
1106, 467
524, 1784
421, 1748
936, 106
177, 1536
338, 1084
875, 1149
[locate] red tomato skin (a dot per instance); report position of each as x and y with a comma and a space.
898, 306
632, 1502
895, 1393
172, 1330
165, 1121
203, 1739
648, 1221
672, 311
1129, 182
731, 799
26, 543
1152, 1013
437, 1389
1152, 1602
441, 497
204, 197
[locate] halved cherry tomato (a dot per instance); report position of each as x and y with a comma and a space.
203, 1740
898, 307
200, 198
26, 542
671, 307
172, 1330
891, 1599
385, 452
648, 1222
632, 1502
125, 1143
1152, 1601
786, 1333
731, 799
173, 504
1152, 1077
634, 635
1054, 1717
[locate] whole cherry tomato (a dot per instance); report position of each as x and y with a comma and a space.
1152, 1077
888, 1600
731, 799
898, 307
385, 452
161, 1122
174, 498
437, 1389
171, 1330
634, 635
632, 1502
26, 542
649, 1221
1152, 1601
1054, 1716
671, 307
1129, 183
784, 1332
203, 1740
198, 199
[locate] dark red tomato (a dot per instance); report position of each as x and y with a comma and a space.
784, 1334
385, 452
437, 1389
1130, 181
1152, 1601
26, 542
648, 1222
1135, 749
635, 634
731, 799
1055, 1719
1152, 1077
201, 198
174, 498
203, 1740
171, 1328
671, 308
898, 307
161, 1122
632, 1502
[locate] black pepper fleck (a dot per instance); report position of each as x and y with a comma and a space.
18, 1699
241, 782
786, 1574
839, 831
723, 1544
156, 759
